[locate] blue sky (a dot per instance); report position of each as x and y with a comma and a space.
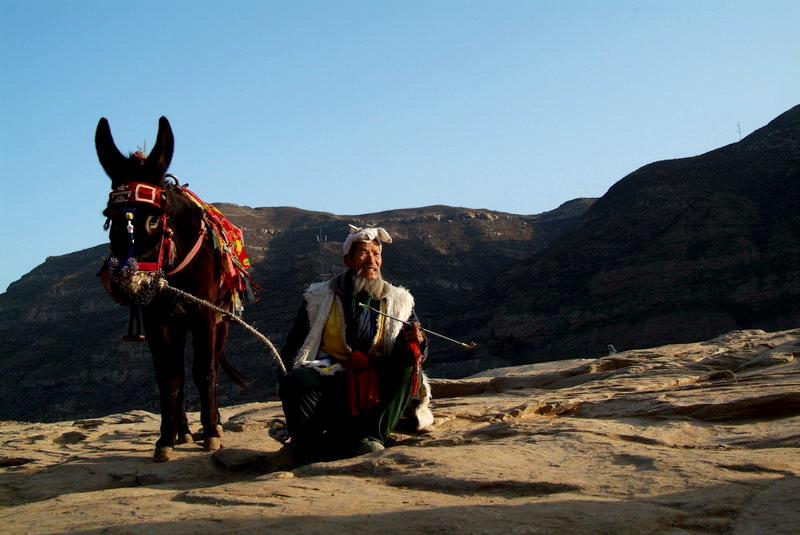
359, 106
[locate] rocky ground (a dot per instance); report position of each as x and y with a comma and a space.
691, 438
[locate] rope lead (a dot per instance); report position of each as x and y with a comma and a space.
165, 286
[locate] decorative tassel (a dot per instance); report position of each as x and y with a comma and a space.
170, 245
417, 367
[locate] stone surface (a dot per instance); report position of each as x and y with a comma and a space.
685, 438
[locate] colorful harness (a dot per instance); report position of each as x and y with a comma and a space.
226, 238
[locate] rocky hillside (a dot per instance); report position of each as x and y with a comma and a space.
678, 250
692, 438
62, 351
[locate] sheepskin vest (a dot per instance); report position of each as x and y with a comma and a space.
320, 297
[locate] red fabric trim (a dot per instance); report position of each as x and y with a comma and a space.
362, 383
417, 365
148, 266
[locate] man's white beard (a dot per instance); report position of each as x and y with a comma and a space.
373, 287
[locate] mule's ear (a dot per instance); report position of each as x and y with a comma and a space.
161, 155
109, 155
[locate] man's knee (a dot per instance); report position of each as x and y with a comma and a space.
297, 380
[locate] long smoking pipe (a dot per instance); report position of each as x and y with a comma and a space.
471, 345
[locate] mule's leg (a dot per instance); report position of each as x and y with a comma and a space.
184, 433
221, 336
209, 341
167, 346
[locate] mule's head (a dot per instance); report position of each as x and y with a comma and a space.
137, 207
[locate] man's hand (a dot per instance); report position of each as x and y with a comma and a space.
413, 334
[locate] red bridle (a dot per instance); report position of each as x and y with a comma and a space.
137, 192
142, 192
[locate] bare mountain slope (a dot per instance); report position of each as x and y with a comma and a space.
676, 251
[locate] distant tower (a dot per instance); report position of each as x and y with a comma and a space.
739, 129
322, 240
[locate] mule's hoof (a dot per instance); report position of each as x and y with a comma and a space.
163, 453
185, 439
212, 444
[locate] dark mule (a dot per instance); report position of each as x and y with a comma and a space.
160, 232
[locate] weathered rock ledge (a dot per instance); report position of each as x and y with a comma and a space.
690, 438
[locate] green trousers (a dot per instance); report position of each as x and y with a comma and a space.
319, 418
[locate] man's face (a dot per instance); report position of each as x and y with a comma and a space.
364, 259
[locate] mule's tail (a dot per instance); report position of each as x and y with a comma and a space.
235, 375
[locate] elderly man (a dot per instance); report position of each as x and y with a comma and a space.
353, 370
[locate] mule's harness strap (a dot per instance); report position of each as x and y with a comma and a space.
193, 252
136, 192
147, 193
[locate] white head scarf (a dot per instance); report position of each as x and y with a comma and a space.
365, 235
